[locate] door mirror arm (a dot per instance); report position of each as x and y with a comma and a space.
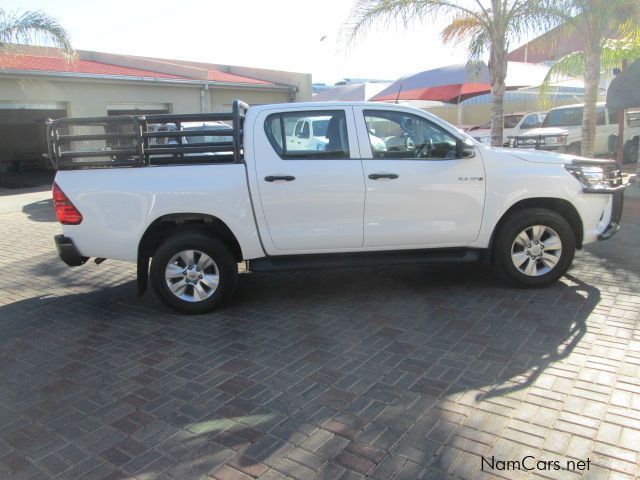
464, 149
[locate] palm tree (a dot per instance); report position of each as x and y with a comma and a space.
32, 28
595, 22
614, 53
483, 25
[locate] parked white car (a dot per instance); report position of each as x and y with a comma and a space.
561, 131
514, 124
311, 134
277, 205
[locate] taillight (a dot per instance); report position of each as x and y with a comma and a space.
66, 212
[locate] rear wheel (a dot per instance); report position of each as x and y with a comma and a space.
193, 273
533, 248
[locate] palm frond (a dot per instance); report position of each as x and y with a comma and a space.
460, 29
474, 69
570, 66
616, 51
32, 28
529, 16
366, 13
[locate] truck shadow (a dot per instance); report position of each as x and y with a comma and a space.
387, 362
41, 211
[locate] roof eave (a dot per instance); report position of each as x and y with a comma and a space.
153, 80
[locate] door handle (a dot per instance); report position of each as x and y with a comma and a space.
376, 176
274, 178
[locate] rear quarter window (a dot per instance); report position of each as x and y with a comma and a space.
291, 137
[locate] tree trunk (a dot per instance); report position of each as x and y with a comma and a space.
591, 84
498, 72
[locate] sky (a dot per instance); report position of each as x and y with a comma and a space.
275, 34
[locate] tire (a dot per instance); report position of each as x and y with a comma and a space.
195, 291
517, 236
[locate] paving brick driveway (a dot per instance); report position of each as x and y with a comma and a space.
387, 373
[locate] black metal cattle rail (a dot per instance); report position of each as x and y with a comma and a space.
143, 140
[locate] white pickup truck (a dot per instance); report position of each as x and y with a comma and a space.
194, 211
514, 124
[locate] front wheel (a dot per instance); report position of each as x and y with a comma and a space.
193, 273
533, 248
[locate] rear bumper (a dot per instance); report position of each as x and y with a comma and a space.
68, 251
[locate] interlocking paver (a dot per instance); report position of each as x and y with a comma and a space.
386, 373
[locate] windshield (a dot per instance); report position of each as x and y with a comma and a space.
320, 128
510, 121
564, 117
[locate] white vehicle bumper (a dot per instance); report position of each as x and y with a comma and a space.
601, 218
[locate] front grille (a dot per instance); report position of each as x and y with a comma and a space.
613, 175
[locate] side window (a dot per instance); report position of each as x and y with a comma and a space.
403, 135
530, 121
302, 129
600, 116
315, 134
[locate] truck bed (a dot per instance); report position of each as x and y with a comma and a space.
146, 140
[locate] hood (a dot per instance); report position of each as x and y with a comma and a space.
480, 132
539, 156
546, 131
542, 156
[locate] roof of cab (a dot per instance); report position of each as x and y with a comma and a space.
329, 105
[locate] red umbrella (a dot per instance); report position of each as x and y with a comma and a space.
443, 93
455, 83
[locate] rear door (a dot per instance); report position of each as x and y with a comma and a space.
603, 131
311, 196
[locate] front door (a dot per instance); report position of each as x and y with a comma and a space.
420, 192
311, 189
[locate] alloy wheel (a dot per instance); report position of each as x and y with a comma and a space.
536, 250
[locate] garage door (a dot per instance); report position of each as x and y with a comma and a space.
23, 134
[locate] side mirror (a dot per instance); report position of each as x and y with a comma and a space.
465, 150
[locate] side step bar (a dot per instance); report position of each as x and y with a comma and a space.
366, 259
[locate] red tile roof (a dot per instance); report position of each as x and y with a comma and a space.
59, 65
217, 76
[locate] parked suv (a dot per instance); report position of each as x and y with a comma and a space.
561, 131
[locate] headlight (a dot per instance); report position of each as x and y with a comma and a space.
589, 176
557, 140
486, 139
